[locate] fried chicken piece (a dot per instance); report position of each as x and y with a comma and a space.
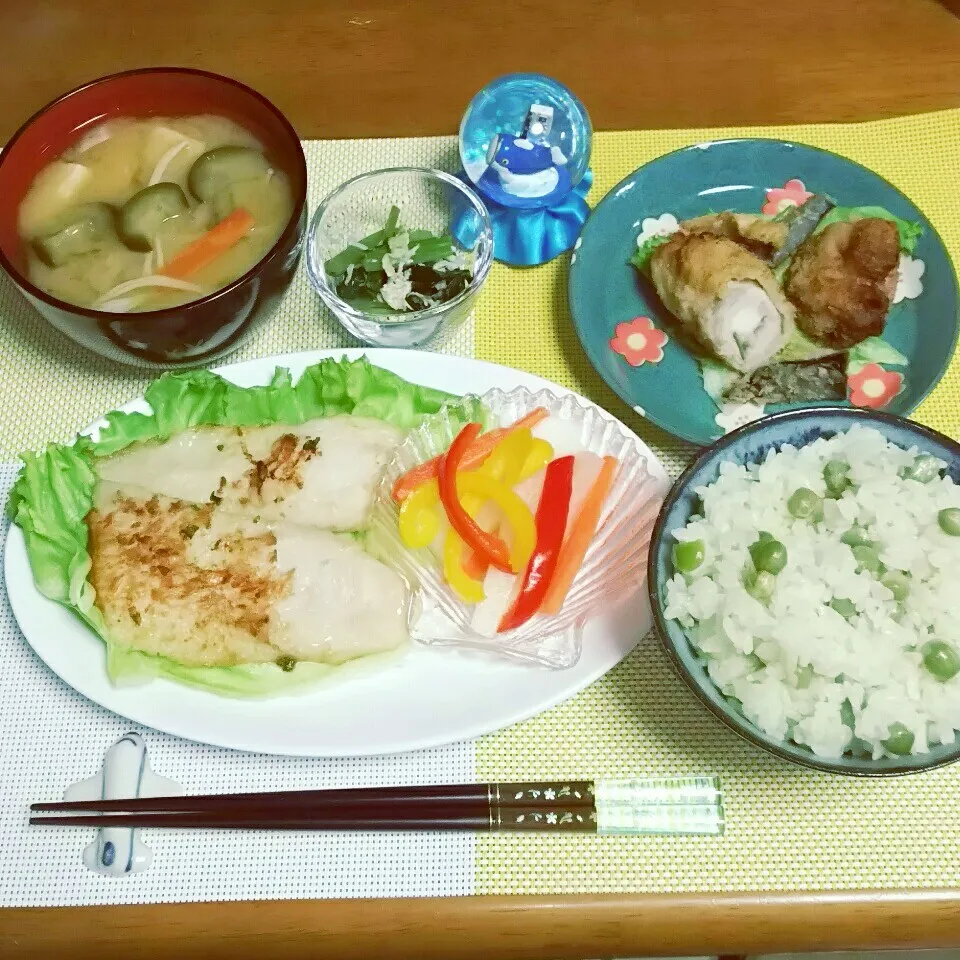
842, 281
762, 237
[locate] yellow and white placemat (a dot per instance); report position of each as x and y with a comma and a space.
787, 828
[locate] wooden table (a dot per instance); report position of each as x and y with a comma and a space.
386, 68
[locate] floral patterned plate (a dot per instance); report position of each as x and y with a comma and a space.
628, 334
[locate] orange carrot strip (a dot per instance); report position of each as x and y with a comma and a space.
478, 451
578, 540
214, 243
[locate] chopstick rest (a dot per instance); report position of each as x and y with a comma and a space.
126, 774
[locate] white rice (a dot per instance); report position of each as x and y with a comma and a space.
754, 651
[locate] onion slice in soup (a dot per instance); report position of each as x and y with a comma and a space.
156, 280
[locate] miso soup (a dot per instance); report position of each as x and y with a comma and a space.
144, 214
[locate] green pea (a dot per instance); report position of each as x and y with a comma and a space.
856, 536
898, 583
899, 614
768, 554
899, 740
949, 521
760, 585
804, 676
924, 469
844, 607
835, 476
688, 555
804, 504
940, 659
867, 559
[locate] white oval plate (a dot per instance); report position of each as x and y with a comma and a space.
430, 697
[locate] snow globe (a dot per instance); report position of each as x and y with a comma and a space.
525, 148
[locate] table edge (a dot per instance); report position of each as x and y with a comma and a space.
508, 927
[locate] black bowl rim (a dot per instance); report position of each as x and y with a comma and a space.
168, 312
743, 727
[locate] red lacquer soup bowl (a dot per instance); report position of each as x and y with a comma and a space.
204, 329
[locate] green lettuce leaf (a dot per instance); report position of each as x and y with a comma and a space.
642, 257
909, 231
55, 489
874, 350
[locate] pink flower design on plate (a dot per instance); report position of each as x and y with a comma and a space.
638, 341
872, 386
791, 194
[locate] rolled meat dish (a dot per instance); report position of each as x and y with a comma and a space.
724, 296
760, 235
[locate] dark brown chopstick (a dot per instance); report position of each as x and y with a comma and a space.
359, 818
678, 805
571, 793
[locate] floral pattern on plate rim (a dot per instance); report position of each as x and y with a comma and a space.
662, 226
791, 194
873, 386
909, 278
639, 341
735, 415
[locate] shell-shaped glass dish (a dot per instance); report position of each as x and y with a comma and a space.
613, 568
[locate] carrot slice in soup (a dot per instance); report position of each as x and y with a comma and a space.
213, 244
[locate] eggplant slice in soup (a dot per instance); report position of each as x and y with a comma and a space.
152, 213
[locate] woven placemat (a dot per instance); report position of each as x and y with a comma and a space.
787, 828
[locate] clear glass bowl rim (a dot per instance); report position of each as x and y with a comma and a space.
318, 276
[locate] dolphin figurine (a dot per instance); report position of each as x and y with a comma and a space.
524, 167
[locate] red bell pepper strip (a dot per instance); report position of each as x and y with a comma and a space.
578, 540
551, 523
488, 546
479, 450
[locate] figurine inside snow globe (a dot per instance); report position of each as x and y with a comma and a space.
525, 147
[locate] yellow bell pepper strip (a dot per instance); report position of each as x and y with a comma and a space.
466, 587
459, 565
504, 464
456, 554
551, 524
516, 513
473, 535
539, 455
518, 456
473, 457
419, 522
578, 540
506, 459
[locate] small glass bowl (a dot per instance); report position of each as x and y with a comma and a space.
428, 200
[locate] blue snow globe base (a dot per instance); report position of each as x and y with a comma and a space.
531, 236
525, 148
